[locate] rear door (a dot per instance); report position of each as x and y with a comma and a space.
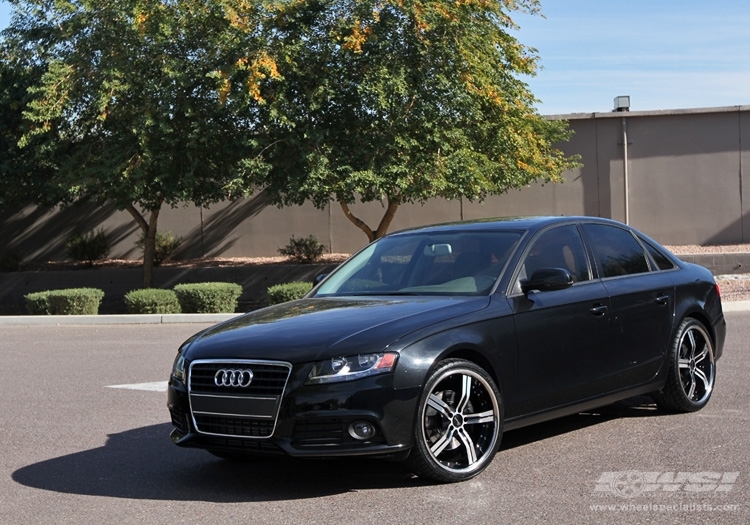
642, 303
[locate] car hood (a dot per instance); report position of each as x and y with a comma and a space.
319, 328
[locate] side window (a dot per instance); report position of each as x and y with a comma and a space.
616, 250
559, 247
661, 260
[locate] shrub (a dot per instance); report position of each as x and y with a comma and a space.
306, 251
73, 301
88, 247
152, 301
37, 303
166, 244
206, 298
282, 293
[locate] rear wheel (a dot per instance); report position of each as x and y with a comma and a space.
692, 369
459, 422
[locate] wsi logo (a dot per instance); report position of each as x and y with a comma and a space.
631, 483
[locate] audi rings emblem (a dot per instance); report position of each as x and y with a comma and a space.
232, 377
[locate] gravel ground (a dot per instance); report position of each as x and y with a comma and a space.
734, 287
722, 248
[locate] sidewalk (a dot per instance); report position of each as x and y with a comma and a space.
736, 306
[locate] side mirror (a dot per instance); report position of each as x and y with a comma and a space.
319, 278
547, 280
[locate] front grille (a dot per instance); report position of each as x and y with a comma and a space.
234, 426
235, 411
268, 379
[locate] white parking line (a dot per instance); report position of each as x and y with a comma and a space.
156, 386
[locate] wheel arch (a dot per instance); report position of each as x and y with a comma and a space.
699, 298
698, 315
476, 357
426, 355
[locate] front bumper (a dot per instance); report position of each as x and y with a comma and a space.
312, 421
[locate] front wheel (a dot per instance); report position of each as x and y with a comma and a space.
692, 369
459, 422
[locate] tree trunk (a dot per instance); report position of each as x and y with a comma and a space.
390, 212
149, 246
385, 222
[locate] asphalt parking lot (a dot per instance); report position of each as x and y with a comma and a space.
84, 436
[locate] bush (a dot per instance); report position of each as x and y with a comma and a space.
88, 247
37, 303
166, 244
306, 251
208, 298
282, 293
152, 301
73, 301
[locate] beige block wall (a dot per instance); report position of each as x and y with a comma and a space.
687, 180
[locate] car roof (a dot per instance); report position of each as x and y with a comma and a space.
505, 223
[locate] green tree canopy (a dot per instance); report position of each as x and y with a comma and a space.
401, 101
153, 102
136, 94
25, 173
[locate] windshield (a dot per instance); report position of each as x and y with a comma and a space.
451, 263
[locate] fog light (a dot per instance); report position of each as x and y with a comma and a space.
362, 430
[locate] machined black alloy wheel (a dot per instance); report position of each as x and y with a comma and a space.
459, 423
692, 369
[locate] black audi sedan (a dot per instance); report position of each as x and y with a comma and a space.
429, 343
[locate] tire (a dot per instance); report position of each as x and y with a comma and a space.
692, 369
459, 423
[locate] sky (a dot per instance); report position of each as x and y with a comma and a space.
663, 54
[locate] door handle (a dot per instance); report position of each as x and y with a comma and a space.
599, 309
662, 299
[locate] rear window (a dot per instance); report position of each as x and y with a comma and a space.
661, 260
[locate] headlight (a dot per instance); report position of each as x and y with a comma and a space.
178, 368
351, 367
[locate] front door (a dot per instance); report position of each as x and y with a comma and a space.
563, 335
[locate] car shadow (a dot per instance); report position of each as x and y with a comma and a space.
639, 406
142, 463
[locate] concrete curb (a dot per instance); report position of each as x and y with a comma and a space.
57, 320
736, 306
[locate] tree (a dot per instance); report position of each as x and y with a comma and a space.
25, 173
401, 101
136, 93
